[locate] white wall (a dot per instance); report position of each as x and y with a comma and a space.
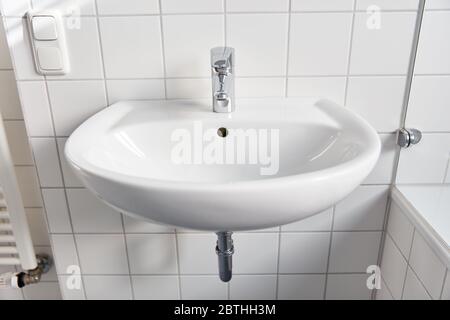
26, 174
141, 50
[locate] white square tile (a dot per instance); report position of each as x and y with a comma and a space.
38, 226
5, 59
379, 100
14, 8
11, 294
70, 179
156, 287
257, 5
66, 7
383, 293
251, 35
428, 104
188, 88
363, 210
260, 87
325, 5
65, 253
253, 287
36, 109
384, 168
47, 161
42, 291
120, 7
57, 213
318, 222
135, 90
91, 215
152, 253
400, 229
135, 225
9, 103
68, 290
102, 254
18, 142
83, 46
427, 266
414, 290
29, 186
304, 252
192, 6
329, 56
20, 47
203, 288
354, 251
433, 150
332, 88
348, 287
187, 49
107, 287
255, 252
197, 253
73, 102
301, 287
132, 47
385, 50
437, 4
393, 268
433, 50
388, 4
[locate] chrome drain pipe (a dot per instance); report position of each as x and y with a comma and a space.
225, 250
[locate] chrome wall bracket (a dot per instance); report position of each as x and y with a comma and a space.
225, 250
408, 137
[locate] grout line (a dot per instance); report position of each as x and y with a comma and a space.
288, 48
407, 260
127, 255
177, 249
329, 253
350, 49
102, 54
211, 274
443, 284
277, 284
163, 49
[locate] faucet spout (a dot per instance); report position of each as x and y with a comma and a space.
222, 66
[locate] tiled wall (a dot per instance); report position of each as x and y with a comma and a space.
145, 49
410, 269
26, 174
428, 109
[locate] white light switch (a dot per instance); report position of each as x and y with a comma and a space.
50, 58
44, 28
48, 41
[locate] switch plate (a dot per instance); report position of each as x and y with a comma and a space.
44, 28
48, 41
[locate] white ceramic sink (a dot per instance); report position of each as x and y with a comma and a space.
130, 155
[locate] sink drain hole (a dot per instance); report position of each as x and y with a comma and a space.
222, 132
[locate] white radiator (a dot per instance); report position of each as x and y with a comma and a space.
16, 247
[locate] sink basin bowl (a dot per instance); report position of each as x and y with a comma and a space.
159, 160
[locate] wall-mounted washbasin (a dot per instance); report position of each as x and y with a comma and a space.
269, 163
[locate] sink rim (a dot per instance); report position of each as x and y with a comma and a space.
369, 154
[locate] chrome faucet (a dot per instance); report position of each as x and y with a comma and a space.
222, 65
